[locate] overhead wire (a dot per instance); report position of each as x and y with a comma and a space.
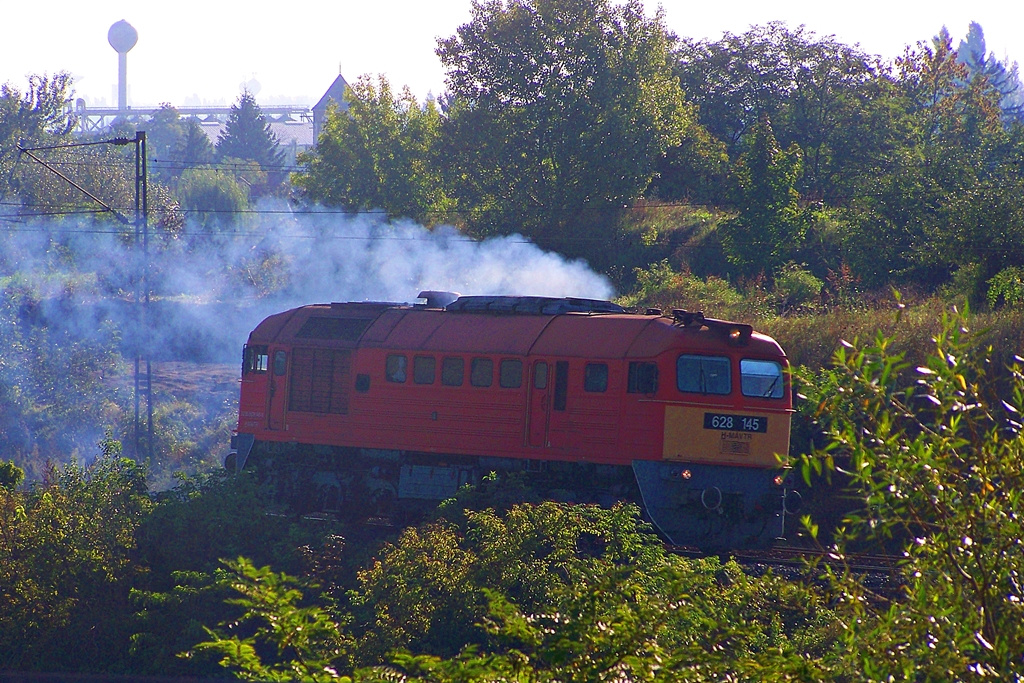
60, 210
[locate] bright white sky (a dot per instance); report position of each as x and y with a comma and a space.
194, 52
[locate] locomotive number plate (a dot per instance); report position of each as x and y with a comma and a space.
735, 423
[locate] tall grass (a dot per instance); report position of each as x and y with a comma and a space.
811, 340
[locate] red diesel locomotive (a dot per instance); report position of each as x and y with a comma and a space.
362, 407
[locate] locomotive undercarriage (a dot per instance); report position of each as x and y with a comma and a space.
703, 506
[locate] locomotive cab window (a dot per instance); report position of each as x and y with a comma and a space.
595, 377
761, 378
452, 371
481, 372
423, 369
511, 374
254, 359
703, 374
643, 378
395, 368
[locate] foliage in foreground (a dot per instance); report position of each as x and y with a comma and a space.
67, 563
544, 592
939, 463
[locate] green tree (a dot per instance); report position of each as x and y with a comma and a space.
42, 116
247, 135
213, 197
11, 476
813, 89
694, 170
165, 132
380, 153
38, 116
182, 542
423, 592
1004, 78
770, 226
282, 641
681, 620
47, 371
102, 170
543, 592
942, 193
194, 147
561, 110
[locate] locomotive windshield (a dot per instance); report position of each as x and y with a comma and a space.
254, 359
703, 374
761, 378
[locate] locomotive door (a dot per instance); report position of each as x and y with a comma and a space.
278, 394
540, 404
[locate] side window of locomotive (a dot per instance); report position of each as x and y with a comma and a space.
481, 372
761, 378
395, 368
423, 369
540, 375
643, 378
595, 377
452, 371
280, 363
561, 384
254, 359
511, 374
703, 374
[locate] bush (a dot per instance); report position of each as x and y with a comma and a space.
424, 592
67, 563
214, 198
545, 592
938, 460
796, 288
662, 287
1007, 288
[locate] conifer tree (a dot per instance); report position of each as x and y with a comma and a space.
1004, 77
194, 147
247, 135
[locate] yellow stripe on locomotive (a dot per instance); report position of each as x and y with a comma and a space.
703, 434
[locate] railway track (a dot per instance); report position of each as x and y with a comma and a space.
793, 556
877, 573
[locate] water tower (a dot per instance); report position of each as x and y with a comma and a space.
122, 36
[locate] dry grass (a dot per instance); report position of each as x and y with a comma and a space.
811, 339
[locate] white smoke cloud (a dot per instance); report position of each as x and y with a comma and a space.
333, 257
211, 287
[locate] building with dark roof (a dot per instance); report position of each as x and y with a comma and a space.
335, 94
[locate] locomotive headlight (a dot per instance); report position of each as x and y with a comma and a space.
779, 479
686, 474
734, 335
